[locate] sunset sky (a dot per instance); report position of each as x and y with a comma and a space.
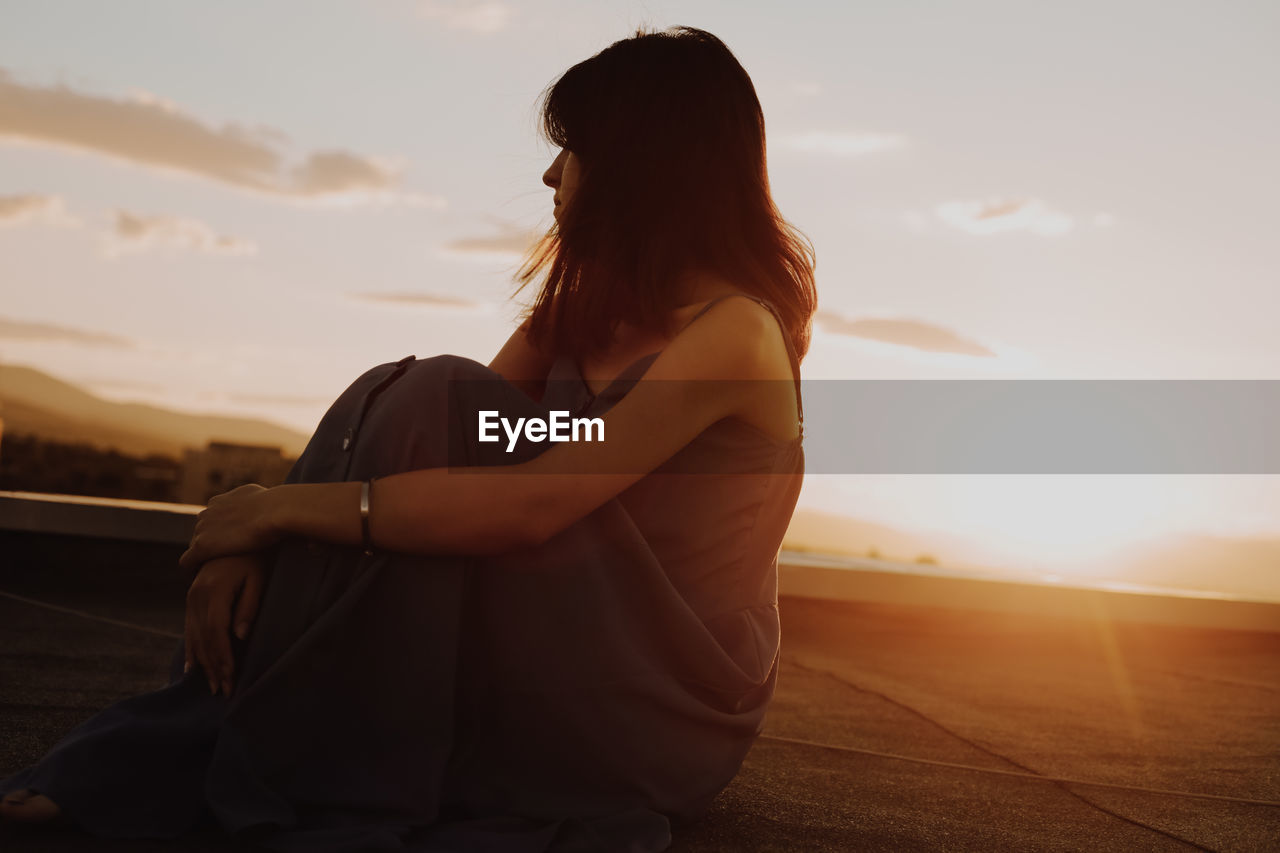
239, 207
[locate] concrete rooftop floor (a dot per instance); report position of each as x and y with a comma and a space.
1138, 705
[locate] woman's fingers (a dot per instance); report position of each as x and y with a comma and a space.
208, 612
195, 631
242, 619
212, 610
231, 523
247, 607
198, 552
188, 657
217, 640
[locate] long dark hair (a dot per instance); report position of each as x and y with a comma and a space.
670, 135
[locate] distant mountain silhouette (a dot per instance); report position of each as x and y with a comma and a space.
35, 403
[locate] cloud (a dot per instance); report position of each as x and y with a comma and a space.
26, 209
150, 131
995, 215
850, 144
511, 243
133, 234
338, 172
428, 300
915, 334
31, 331
477, 16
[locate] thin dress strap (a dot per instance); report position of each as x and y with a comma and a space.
786, 339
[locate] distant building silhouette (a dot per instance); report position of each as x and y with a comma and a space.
223, 466
29, 463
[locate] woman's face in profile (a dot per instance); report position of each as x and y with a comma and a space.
563, 176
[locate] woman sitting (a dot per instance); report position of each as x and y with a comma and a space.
429, 641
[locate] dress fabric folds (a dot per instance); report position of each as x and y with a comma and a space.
587, 694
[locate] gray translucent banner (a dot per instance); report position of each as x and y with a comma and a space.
1042, 426
964, 426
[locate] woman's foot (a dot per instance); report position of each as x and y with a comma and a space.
27, 808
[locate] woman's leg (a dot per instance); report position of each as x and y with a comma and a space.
344, 696
345, 721
134, 769
137, 768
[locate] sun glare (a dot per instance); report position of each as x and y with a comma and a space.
1072, 526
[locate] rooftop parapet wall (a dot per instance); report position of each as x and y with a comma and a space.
800, 575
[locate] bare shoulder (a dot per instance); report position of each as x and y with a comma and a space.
741, 335
737, 339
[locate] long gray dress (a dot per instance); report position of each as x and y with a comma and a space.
587, 694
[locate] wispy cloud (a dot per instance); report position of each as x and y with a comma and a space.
477, 16
31, 209
997, 215
915, 334
149, 131
426, 300
32, 331
509, 244
846, 144
133, 234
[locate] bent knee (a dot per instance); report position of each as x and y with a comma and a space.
456, 367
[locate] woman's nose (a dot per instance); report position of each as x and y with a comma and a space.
551, 177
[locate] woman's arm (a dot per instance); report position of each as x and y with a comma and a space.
522, 364
489, 510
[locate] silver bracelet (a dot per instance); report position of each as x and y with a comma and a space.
364, 517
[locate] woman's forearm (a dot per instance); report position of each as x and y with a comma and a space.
329, 512
429, 511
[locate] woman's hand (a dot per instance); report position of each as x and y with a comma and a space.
234, 522
209, 617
